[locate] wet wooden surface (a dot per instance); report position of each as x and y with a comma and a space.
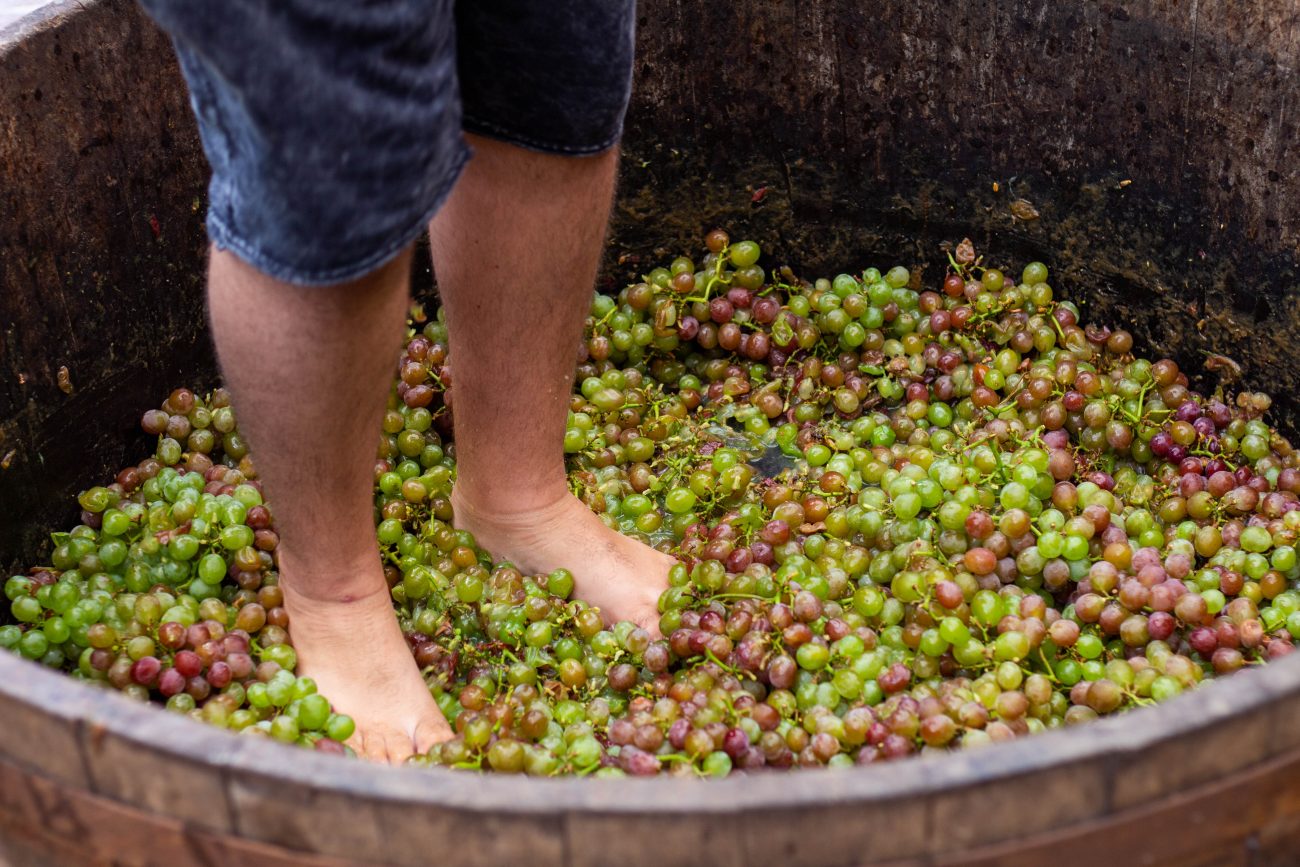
1246, 819
101, 240
1216, 766
1156, 140
842, 134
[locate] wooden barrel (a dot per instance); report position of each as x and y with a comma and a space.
1144, 149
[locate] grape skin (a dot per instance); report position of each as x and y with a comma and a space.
906, 521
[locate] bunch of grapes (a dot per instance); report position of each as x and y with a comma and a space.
167, 589
904, 520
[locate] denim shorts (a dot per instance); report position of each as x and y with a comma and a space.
334, 128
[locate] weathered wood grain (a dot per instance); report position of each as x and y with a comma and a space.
841, 131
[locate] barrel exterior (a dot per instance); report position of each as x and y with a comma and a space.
1144, 149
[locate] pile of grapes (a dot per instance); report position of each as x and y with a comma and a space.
905, 521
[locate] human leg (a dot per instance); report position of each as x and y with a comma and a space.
516, 250
334, 133
308, 368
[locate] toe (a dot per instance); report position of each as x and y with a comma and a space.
361, 745
383, 745
429, 732
397, 748
650, 623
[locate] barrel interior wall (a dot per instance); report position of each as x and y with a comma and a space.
1151, 138
101, 179
838, 133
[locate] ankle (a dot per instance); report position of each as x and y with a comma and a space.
497, 504
296, 595
318, 581
320, 621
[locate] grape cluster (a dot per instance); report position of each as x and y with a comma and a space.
905, 520
167, 589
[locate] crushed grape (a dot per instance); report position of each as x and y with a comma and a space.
906, 520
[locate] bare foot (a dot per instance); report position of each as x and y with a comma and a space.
359, 659
620, 576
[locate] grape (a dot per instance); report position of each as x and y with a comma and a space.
906, 519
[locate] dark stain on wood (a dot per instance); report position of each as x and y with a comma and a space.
1155, 138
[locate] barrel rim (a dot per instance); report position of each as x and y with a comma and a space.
173, 737
169, 736
45, 17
